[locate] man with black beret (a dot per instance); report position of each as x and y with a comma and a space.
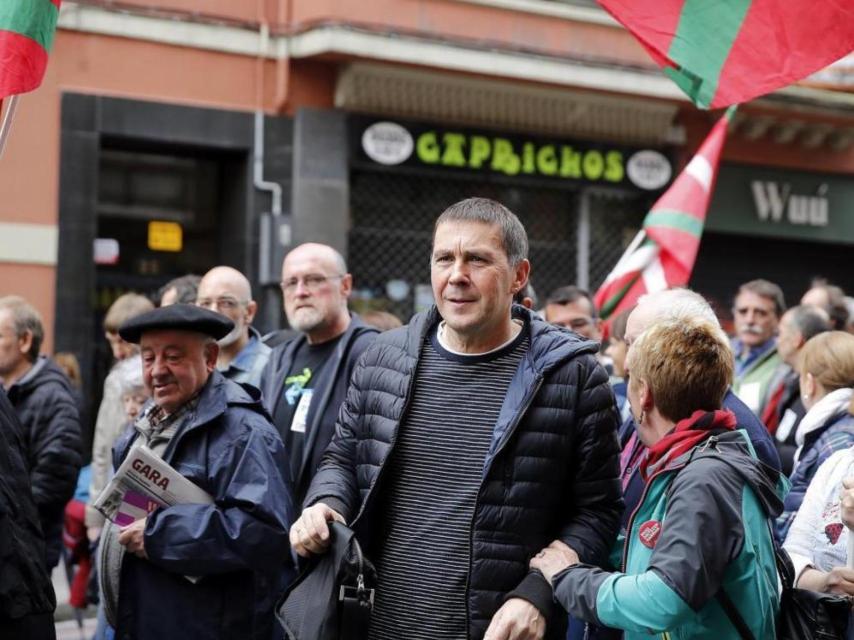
216, 433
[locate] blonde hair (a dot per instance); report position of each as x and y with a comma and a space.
68, 362
686, 364
125, 307
829, 358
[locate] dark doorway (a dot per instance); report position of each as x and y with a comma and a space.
126, 164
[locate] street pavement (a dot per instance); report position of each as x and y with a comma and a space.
67, 627
68, 630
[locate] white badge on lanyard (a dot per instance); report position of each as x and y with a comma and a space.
299, 422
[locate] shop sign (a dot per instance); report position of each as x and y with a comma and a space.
776, 203
462, 150
165, 236
783, 204
106, 251
387, 143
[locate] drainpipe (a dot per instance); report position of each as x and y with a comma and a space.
273, 188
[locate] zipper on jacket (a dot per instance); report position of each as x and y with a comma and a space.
507, 435
631, 521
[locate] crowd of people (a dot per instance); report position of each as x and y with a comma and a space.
513, 472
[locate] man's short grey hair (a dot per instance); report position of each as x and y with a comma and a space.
677, 305
186, 288
25, 319
808, 320
680, 304
514, 238
766, 289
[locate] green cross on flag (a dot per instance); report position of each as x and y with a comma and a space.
724, 52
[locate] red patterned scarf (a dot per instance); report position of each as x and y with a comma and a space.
686, 435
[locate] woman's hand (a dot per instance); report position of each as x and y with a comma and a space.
838, 580
553, 559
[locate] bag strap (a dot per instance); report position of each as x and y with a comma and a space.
734, 616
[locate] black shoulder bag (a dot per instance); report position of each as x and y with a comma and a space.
333, 598
804, 614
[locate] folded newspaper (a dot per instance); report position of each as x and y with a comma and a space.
144, 482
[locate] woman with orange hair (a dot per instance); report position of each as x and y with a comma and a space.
700, 533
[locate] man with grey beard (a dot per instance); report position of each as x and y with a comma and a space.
242, 355
306, 379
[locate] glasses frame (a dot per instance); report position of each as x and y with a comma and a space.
314, 285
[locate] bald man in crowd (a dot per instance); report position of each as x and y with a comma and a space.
242, 356
306, 379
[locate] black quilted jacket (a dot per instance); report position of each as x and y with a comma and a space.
25, 589
45, 404
552, 470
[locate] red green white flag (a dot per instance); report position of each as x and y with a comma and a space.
27, 29
663, 253
724, 52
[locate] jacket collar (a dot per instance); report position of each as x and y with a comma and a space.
216, 397
820, 414
550, 345
243, 361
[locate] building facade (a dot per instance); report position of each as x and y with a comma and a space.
172, 135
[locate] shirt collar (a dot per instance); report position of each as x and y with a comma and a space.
743, 352
243, 360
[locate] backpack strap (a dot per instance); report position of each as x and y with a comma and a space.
734, 616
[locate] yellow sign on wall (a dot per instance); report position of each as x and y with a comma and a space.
165, 236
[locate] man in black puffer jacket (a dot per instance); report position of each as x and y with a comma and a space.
44, 401
467, 439
26, 594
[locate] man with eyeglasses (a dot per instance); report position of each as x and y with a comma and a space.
306, 379
242, 356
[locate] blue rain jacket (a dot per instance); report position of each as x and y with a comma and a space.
238, 546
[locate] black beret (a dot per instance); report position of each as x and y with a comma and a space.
180, 317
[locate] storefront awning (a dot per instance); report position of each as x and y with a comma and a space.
452, 98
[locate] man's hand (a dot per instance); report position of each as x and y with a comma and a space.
553, 559
132, 537
846, 502
93, 533
517, 619
310, 534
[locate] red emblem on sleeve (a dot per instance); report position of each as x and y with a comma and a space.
649, 532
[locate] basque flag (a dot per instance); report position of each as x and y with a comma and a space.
724, 52
27, 28
663, 253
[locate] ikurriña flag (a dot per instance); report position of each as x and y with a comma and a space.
663, 253
27, 29
724, 52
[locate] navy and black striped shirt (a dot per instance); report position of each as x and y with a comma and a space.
430, 490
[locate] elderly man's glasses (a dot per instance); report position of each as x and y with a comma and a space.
223, 303
312, 282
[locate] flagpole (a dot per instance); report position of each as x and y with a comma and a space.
6, 124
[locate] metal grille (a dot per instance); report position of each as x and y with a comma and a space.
614, 220
392, 225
